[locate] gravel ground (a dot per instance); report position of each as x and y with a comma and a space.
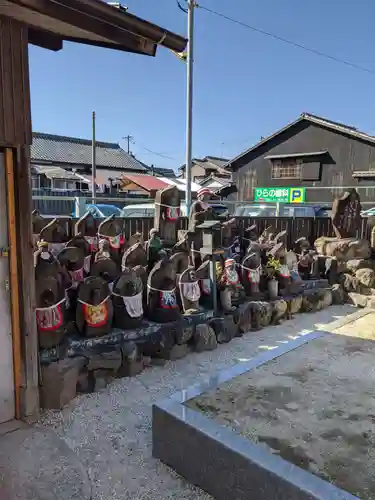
110, 430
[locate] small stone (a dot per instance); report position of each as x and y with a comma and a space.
184, 334
225, 329
356, 264
158, 361
370, 303
357, 299
59, 382
204, 338
261, 314
366, 277
310, 301
147, 361
292, 406
325, 298
244, 320
131, 367
348, 282
295, 305
338, 294
178, 352
107, 360
86, 382
129, 350
279, 311
100, 382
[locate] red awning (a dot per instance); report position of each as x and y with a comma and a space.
147, 182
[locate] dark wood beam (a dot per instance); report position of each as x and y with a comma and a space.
45, 40
133, 24
105, 32
15, 109
130, 47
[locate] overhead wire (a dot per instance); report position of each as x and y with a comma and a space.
286, 40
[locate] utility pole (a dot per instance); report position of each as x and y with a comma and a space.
128, 138
189, 103
93, 158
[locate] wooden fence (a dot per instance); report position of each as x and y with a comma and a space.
310, 227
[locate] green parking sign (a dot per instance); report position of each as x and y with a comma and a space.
280, 195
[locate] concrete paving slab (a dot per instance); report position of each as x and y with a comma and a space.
35, 464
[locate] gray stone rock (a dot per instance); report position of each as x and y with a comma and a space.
348, 282
279, 311
102, 379
366, 277
244, 318
371, 302
225, 328
310, 301
355, 264
158, 344
129, 350
86, 382
35, 464
59, 382
131, 367
261, 314
343, 249
338, 294
295, 304
107, 360
357, 299
325, 298
204, 338
184, 334
132, 361
178, 351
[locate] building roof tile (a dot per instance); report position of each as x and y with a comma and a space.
209, 162
73, 151
340, 128
146, 182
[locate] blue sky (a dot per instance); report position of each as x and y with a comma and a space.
246, 85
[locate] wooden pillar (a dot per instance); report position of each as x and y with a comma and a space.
16, 136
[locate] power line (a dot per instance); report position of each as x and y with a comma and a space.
157, 154
289, 42
181, 7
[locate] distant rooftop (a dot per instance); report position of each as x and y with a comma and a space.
314, 119
209, 162
162, 172
73, 151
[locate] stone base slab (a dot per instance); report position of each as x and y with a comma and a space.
222, 462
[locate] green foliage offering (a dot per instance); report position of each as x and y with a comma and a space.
273, 266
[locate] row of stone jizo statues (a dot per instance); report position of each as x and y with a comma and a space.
97, 281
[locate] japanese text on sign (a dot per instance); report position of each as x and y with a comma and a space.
280, 195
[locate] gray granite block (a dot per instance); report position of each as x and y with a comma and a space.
220, 461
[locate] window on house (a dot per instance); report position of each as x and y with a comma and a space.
35, 182
286, 169
58, 184
62, 184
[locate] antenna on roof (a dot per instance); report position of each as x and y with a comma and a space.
118, 6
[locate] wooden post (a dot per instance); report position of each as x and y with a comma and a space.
16, 137
25, 258
14, 279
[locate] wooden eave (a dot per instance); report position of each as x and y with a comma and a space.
91, 22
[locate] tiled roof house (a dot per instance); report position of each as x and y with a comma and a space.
204, 167
49, 151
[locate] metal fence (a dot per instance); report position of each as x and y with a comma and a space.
312, 228
56, 202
